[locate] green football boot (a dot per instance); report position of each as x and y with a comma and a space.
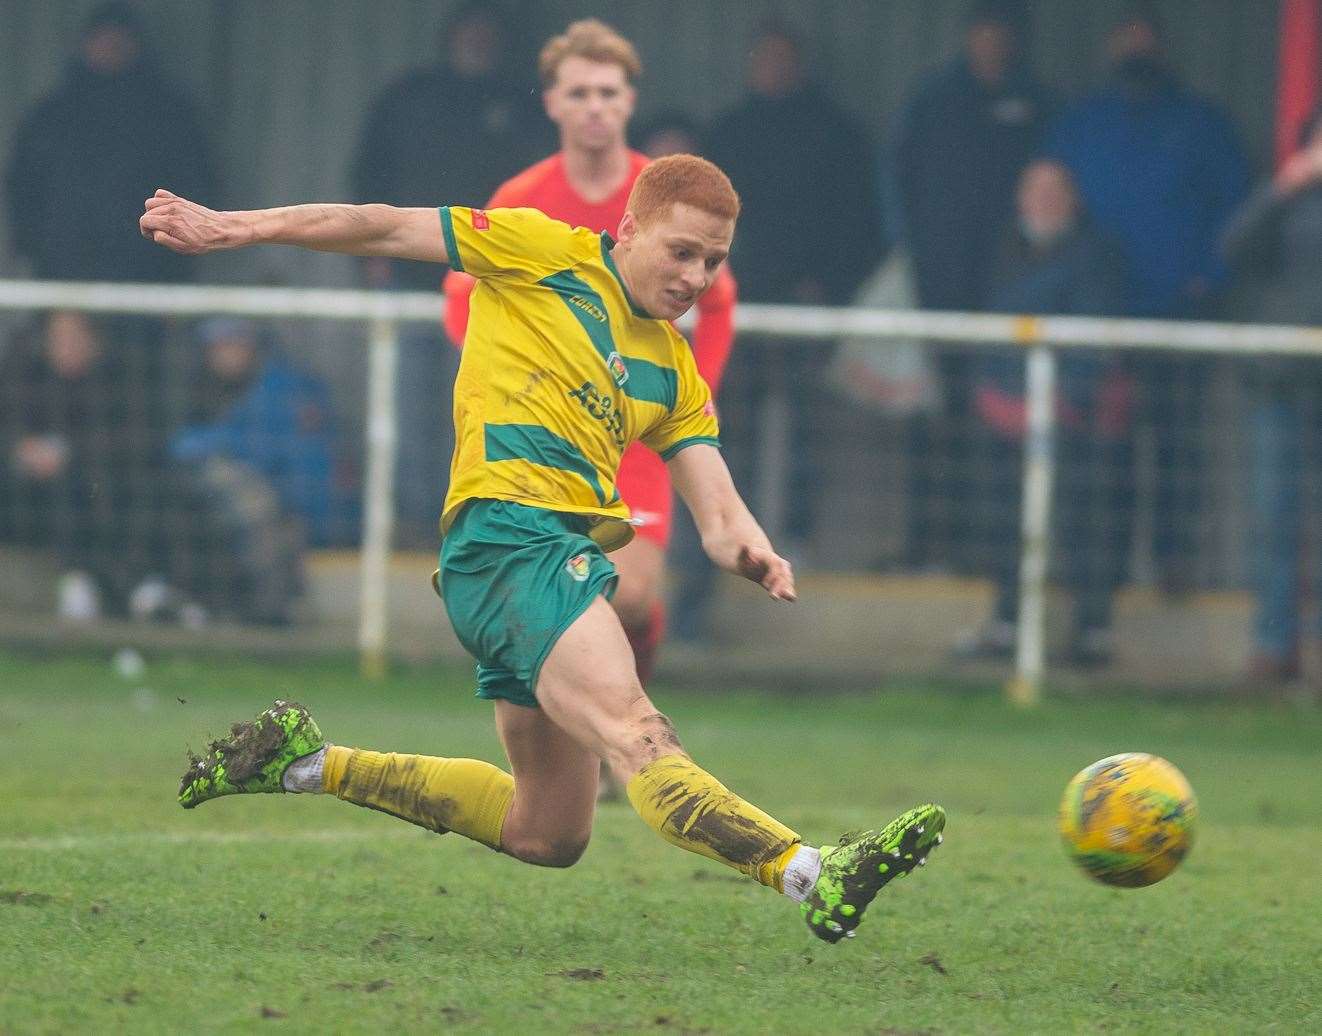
854, 871
253, 758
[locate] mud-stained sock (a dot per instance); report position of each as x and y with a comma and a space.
646, 642
305, 774
466, 796
690, 808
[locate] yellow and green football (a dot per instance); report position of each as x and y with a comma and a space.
1128, 820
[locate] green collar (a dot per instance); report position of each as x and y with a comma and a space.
607, 243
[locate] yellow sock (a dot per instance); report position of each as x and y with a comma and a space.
466, 796
690, 808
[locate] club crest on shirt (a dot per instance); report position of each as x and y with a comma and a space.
578, 566
480, 220
619, 372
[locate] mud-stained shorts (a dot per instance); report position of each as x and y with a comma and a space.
513, 579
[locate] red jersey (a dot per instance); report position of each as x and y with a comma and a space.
546, 187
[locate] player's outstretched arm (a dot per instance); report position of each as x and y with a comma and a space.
730, 534
189, 228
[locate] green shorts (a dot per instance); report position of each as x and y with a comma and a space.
513, 579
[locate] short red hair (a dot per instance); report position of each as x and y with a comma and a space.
682, 179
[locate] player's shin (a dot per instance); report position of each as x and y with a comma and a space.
690, 808
467, 796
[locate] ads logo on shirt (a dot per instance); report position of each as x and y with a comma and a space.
619, 372
578, 566
480, 221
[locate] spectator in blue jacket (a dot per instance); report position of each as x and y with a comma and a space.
1160, 169
251, 405
1053, 260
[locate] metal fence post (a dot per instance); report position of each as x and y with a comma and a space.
378, 497
773, 460
1030, 635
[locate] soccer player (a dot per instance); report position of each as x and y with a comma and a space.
570, 357
587, 76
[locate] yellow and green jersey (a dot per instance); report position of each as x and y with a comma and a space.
561, 370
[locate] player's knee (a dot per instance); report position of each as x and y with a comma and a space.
633, 603
556, 852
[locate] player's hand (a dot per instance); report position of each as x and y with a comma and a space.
186, 227
765, 567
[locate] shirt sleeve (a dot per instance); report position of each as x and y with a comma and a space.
692, 420
521, 244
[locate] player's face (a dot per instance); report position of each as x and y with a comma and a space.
1047, 202
71, 344
674, 259
591, 102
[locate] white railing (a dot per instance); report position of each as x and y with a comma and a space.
384, 312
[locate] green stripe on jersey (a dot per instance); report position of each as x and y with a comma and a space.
652, 382
644, 380
538, 445
588, 307
692, 440
451, 246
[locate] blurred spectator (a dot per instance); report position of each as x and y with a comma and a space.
1053, 261
986, 107
668, 133
809, 233
809, 229
82, 440
251, 405
111, 133
1160, 169
1275, 238
445, 134
448, 133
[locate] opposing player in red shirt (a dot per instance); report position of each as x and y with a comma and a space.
587, 78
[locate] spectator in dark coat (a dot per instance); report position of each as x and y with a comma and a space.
1160, 169
809, 233
112, 132
82, 461
809, 230
986, 108
452, 132
1275, 239
986, 112
1053, 261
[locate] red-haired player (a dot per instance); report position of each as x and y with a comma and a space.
571, 357
587, 76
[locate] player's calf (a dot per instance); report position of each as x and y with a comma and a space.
283, 750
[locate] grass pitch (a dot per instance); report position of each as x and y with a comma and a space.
121, 912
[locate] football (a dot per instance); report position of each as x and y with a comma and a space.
1128, 820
